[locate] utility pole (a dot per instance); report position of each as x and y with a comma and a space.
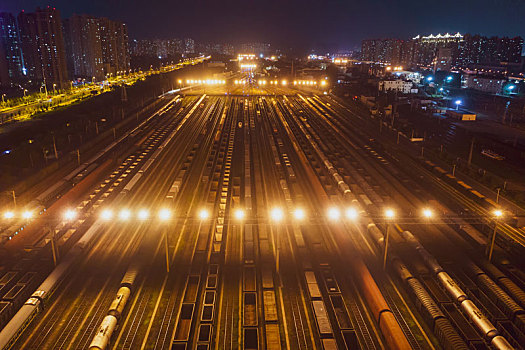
490, 249
505, 112
167, 249
385, 248
469, 162
55, 147
44, 153
54, 248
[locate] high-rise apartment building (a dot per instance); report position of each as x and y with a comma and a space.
255, 48
39, 48
162, 48
84, 47
382, 50
477, 49
444, 51
43, 46
427, 47
11, 59
115, 46
189, 45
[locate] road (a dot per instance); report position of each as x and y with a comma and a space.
34, 104
277, 202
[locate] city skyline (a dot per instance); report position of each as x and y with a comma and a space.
314, 25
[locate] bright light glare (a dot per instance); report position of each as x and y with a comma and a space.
351, 213
389, 213
143, 214
334, 214
9, 215
239, 214
498, 213
106, 214
427, 213
27, 214
299, 214
164, 214
70, 214
124, 214
277, 214
204, 214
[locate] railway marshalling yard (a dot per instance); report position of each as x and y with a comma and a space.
255, 217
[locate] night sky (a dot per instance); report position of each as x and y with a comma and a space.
327, 24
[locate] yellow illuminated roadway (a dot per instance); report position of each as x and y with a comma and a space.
249, 228
30, 105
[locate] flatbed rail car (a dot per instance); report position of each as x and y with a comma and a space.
321, 318
311, 283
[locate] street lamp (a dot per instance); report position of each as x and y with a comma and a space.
497, 215
389, 215
276, 214
106, 214
239, 214
204, 214
124, 214
351, 214
334, 214
458, 103
164, 214
299, 214
143, 214
427, 213
70, 214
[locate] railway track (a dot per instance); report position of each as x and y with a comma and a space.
253, 282
437, 248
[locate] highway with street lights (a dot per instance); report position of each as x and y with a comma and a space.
256, 214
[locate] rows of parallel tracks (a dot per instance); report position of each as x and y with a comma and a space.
254, 283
